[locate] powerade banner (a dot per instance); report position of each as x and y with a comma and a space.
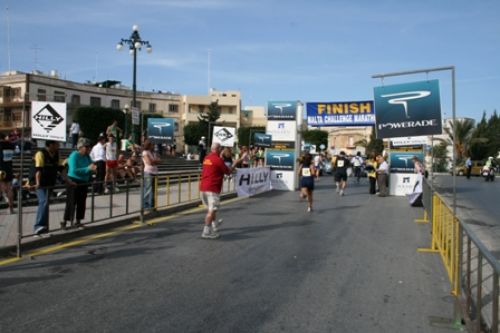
251, 181
280, 159
262, 140
402, 162
281, 110
340, 114
409, 109
161, 130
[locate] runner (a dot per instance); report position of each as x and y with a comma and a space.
212, 176
340, 165
307, 173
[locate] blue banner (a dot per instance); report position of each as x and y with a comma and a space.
408, 109
262, 140
402, 162
161, 130
340, 114
282, 110
280, 159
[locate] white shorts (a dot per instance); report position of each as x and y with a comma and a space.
211, 200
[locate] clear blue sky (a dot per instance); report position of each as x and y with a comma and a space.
311, 50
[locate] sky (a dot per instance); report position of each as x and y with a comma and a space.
269, 50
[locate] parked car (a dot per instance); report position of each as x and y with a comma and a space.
477, 166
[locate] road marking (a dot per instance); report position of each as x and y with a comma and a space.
114, 232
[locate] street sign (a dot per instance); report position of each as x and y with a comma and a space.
136, 116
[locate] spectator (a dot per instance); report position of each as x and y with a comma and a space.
6, 173
371, 166
47, 166
150, 161
114, 130
123, 172
244, 157
132, 166
75, 132
202, 149
98, 156
382, 172
419, 167
80, 169
260, 157
212, 176
468, 165
111, 164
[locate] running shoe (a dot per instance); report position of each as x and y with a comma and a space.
216, 225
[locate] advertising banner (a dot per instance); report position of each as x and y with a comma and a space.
401, 184
280, 159
409, 141
340, 113
224, 135
409, 109
402, 162
262, 140
282, 180
48, 121
161, 130
282, 130
283, 145
282, 110
251, 181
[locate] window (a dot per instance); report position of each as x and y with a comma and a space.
152, 107
95, 101
42, 95
173, 108
115, 104
15, 92
75, 99
176, 126
59, 96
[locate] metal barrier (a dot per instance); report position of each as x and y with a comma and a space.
124, 200
473, 271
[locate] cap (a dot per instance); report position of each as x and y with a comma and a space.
101, 136
82, 142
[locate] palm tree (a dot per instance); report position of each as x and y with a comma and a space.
461, 130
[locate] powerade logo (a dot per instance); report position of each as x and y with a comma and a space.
281, 110
410, 109
262, 140
280, 159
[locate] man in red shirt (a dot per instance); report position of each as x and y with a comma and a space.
212, 177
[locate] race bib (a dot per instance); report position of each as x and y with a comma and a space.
306, 172
340, 163
8, 154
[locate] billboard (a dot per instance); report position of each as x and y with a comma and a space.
280, 159
402, 162
408, 109
282, 180
224, 135
409, 141
281, 110
282, 130
340, 113
262, 140
48, 121
161, 130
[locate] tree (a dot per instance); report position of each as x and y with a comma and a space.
461, 130
375, 146
94, 120
440, 153
192, 133
479, 142
315, 137
209, 118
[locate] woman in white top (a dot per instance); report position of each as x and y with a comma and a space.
150, 164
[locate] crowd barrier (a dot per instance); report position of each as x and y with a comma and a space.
472, 269
123, 201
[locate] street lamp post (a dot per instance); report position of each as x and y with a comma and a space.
125, 127
135, 43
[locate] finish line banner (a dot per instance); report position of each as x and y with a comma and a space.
341, 114
252, 181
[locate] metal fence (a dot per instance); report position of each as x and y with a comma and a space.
123, 201
472, 269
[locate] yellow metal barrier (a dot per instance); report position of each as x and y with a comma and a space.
423, 220
168, 190
445, 240
189, 187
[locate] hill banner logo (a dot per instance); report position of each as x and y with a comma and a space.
340, 114
282, 110
252, 181
262, 140
408, 109
161, 130
224, 135
48, 121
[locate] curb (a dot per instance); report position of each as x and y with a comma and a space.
67, 235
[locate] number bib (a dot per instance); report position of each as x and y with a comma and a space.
340, 163
306, 172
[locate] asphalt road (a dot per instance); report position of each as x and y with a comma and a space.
349, 266
478, 206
